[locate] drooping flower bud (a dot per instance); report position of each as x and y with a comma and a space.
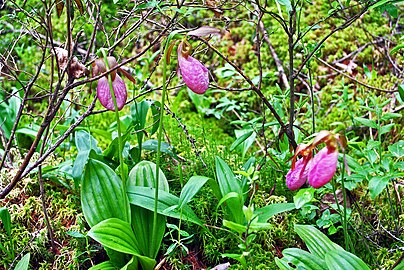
104, 94
118, 85
194, 73
297, 176
323, 167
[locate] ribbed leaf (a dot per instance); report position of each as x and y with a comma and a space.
194, 184
143, 174
282, 263
227, 184
144, 197
271, 210
303, 259
117, 234
343, 260
102, 194
317, 242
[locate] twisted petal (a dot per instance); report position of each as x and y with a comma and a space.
104, 95
194, 73
322, 167
297, 177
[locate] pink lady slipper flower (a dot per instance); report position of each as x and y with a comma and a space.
118, 85
320, 169
297, 175
194, 73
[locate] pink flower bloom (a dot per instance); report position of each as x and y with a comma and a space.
322, 167
104, 95
297, 177
194, 73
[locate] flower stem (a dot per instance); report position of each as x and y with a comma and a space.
159, 137
118, 122
344, 222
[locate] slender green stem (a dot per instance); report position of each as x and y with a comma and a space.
344, 224
159, 137
118, 122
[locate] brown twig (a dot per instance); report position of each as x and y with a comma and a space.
353, 79
284, 128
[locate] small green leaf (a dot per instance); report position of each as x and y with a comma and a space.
396, 49
23, 263
366, 122
389, 116
386, 129
304, 196
234, 226
271, 210
377, 184
194, 184
240, 140
401, 89
397, 149
6, 219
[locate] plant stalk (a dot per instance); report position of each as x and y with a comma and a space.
159, 137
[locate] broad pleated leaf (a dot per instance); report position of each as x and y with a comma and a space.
271, 210
143, 174
303, 259
342, 260
317, 242
144, 197
102, 194
194, 184
117, 234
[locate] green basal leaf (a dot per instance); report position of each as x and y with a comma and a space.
102, 194
303, 259
117, 235
144, 175
342, 260
317, 242
144, 197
